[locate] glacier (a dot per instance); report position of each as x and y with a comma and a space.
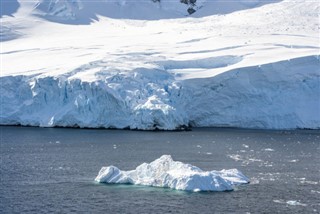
159, 68
153, 99
167, 173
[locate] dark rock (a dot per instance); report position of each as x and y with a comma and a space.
184, 1
191, 10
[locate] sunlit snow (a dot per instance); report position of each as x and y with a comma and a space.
151, 65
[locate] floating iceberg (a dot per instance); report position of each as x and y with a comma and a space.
165, 172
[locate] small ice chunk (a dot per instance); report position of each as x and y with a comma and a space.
255, 160
279, 201
290, 202
165, 172
309, 182
295, 203
269, 150
235, 157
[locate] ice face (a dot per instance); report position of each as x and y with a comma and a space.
164, 74
167, 173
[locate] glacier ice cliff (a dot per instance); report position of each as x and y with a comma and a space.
132, 101
281, 95
167, 173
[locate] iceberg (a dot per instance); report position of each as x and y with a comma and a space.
167, 173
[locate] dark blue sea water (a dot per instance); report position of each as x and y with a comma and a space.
52, 170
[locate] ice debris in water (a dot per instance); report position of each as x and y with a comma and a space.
290, 202
165, 172
295, 203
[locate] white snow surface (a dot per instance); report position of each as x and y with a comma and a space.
167, 173
149, 65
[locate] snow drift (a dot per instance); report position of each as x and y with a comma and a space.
164, 172
281, 95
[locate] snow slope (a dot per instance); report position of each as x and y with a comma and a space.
84, 12
156, 68
165, 172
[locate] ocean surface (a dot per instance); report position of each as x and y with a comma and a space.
52, 170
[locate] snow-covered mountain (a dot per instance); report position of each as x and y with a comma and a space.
152, 64
78, 9
84, 12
